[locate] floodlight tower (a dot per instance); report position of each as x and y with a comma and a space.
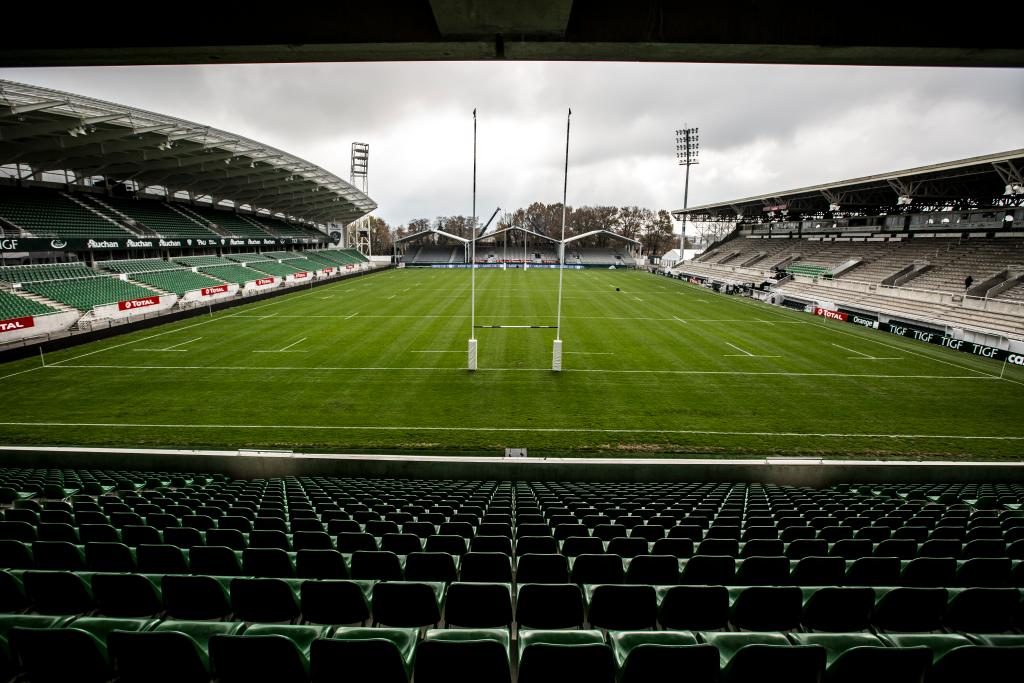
687, 150
359, 177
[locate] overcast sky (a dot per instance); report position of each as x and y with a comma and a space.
762, 128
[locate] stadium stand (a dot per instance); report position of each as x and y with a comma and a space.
324, 577
248, 258
275, 268
177, 281
229, 222
87, 293
142, 265
14, 306
202, 261
159, 216
428, 255
233, 273
46, 271
45, 213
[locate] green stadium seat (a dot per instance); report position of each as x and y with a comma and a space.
365, 655
171, 652
745, 657
267, 563
857, 657
463, 656
82, 645
660, 657
431, 566
983, 610
910, 609
542, 568
693, 607
59, 592
195, 597
270, 652
545, 656
264, 600
549, 606
16, 555
161, 559
622, 607
127, 595
478, 605
407, 603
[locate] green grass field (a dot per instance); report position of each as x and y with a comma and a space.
652, 366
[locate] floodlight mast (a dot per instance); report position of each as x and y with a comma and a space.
687, 151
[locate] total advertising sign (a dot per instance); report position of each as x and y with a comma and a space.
831, 315
349, 266
17, 324
132, 304
219, 289
328, 270
265, 281
300, 276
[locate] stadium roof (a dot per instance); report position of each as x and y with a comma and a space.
767, 31
53, 130
983, 178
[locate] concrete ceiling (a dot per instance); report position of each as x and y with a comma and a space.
758, 31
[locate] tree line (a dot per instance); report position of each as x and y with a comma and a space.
653, 229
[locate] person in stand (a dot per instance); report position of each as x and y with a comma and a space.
968, 281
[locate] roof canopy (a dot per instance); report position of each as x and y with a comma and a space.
767, 31
431, 231
47, 130
606, 232
983, 179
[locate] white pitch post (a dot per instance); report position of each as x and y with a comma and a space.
471, 360
556, 349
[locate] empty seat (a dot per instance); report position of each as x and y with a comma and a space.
463, 656
709, 570
379, 565
59, 592
622, 608
270, 652
214, 560
542, 568
127, 595
696, 608
653, 570
763, 571
549, 606
267, 562
858, 657
364, 655
983, 610
994, 659
487, 567
431, 566
335, 601
659, 657
320, 564
745, 657
407, 603
910, 609
598, 569
161, 559
818, 571
873, 571
546, 656
838, 609
767, 608
82, 646
269, 600
171, 652
195, 597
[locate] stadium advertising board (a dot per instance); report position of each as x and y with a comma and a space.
935, 337
831, 315
300, 276
133, 304
210, 291
117, 244
265, 281
12, 324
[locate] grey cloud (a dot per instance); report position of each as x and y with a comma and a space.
763, 128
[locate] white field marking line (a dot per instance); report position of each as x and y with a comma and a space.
389, 428
680, 320
864, 356
347, 317
437, 352
638, 298
391, 297
230, 368
746, 354
768, 322
173, 347
592, 353
833, 328
154, 336
22, 372
285, 349
261, 317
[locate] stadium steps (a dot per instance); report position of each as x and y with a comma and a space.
14, 305
125, 221
249, 258
229, 222
201, 261
260, 226
160, 216
196, 218
128, 266
178, 281
48, 214
92, 208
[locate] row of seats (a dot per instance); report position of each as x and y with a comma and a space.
87, 293
446, 558
14, 306
528, 605
99, 650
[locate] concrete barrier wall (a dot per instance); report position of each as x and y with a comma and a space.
792, 472
42, 325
